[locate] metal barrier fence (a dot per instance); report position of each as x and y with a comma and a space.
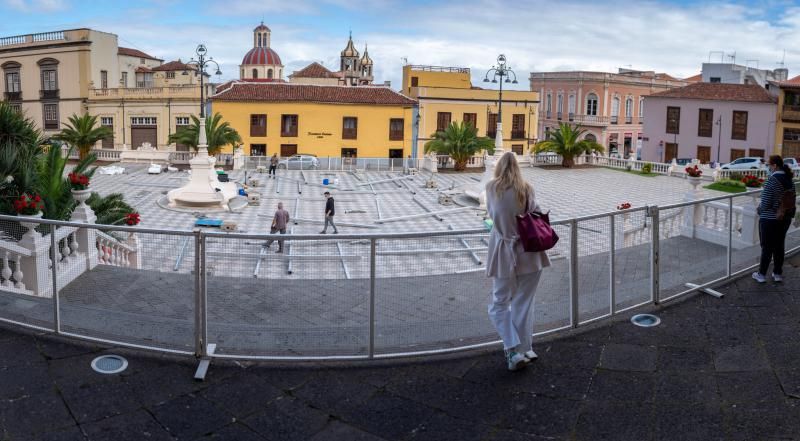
359, 296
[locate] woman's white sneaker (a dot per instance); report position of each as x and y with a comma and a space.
777, 277
530, 355
516, 361
760, 278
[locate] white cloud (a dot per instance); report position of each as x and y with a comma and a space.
537, 35
34, 6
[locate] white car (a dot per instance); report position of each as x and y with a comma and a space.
746, 163
299, 162
792, 163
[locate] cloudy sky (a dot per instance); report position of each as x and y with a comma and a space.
667, 36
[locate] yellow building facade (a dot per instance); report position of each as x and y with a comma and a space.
446, 94
321, 120
787, 123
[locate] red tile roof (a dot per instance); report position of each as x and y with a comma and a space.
143, 69
173, 66
135, 53
313, 70
695, 78
795, 80
719, 92
281, 92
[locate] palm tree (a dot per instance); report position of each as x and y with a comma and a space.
111, 209
566, 142
81, 132
461, 142
218, 134
54, 187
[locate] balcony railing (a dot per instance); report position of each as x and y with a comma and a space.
628, 119
571, 116
13, 96
518, 134
145, 92
559, 116
592, 120
349, 133
51, 94
791, 113
614, 119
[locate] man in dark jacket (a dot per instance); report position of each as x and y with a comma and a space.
329, 212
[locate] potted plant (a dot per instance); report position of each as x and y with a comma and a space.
132, 219
29, 207
79, 185
752, 181
694, 174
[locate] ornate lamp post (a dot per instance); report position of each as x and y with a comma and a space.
505, 74
201, 63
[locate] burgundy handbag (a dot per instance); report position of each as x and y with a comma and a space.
535, 231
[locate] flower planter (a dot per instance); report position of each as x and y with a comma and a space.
694, 181
81, 196
30, 225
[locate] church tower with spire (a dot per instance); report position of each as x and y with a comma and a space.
261, 62
350, 64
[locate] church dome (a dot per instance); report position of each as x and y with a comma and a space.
350, 50
261, 56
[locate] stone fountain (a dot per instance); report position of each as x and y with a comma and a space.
203, 190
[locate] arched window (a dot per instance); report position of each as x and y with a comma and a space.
591, 104
549, 105
259, 40
614, 110
571, 104
641, 109
269, 73
628, 110
242, 76
590, 137
560, 105
255, 73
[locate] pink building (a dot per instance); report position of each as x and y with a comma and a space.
710, 122
608, 105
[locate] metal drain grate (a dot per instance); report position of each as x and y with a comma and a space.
109, 364
645, 320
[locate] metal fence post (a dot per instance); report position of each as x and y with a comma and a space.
54, 264
573, 273
200, 330
372, 244
612, 240
655, 295
730, 236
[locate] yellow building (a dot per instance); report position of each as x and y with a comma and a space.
335, 121
446, 94
787, 124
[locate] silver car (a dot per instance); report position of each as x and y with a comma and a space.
299, 162
792, 163
746, 163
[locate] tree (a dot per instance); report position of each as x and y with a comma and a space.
111, 209
81, 133
461, 142
566, 142
54, 187
218, 134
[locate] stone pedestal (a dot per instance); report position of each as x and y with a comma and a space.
87, 237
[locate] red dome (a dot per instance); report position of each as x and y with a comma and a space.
261, 55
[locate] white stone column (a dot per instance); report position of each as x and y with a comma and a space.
86, 237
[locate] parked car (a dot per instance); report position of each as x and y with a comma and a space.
683, 161
792, 163
746, 163
299, 162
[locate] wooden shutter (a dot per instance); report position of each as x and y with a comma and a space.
442, 121
739, 128
705, 122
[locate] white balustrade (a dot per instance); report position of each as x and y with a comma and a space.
114, 252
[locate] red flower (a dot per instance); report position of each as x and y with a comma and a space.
132, 219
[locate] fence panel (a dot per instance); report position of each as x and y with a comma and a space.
309, 301
140, 290
594, 259
746, 240
552, 304
632, 261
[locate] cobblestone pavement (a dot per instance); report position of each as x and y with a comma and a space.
715, 369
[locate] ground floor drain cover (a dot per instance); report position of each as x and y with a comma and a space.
645, 320
109, 364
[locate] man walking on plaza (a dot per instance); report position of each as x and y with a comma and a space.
273, 165
279, 222
329, 212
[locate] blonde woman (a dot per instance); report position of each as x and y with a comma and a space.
514, 272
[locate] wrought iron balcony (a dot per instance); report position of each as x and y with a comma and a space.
51, 94
13, 96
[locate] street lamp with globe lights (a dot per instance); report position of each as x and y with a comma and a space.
505, 74
201, 64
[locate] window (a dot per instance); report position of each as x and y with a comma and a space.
517, 149
547, 133
614, 110
289, 125
107, 121
591, 105
49, 84
258, 150
144, 79
548, 108
414, 81
736, 154
141, 60
143, 120
255, 73
349, 153
258, 125
715, 80
518, 126
170, 75
349, 127
13, 86
628, 110
269, 73
705, 123
641, 110
181, 120
759, 153
673, 120
104, 79
50, 113
442, 121
124, 79
739, 129
396, 129
491, 130
472, 119
559, 105
571, 106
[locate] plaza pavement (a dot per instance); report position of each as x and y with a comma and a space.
715, 369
